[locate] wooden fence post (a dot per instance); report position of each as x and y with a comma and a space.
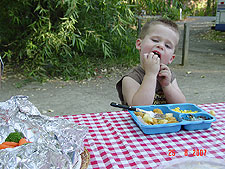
0, 73
185, 43
1, 70
139, 26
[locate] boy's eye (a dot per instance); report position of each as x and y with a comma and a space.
168, 46
155, 40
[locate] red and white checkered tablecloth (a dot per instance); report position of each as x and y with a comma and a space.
115, 141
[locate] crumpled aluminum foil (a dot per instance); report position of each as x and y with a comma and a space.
56, 143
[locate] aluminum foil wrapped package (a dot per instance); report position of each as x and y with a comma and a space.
56, 143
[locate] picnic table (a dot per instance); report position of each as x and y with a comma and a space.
115, 141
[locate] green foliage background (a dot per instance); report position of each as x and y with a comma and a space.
62, 37
71, 38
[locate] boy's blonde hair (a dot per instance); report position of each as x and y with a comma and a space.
163, 21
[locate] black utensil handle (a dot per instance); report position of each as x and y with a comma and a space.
123, 106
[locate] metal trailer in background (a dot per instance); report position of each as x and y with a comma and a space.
220, 16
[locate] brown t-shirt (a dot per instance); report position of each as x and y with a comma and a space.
137, 74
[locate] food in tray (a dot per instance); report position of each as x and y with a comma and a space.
212, 112
14, 139
190, 117
159, 111
177, 109
152, 121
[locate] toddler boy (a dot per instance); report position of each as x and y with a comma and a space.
153, 82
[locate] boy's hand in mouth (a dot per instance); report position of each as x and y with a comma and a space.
157, 53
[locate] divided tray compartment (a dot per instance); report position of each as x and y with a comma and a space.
184, 121
159, 128
204, 121
185, 106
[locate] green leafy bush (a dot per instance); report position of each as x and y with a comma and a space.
169, 9
62, 37
70, 38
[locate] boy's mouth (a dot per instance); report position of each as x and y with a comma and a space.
157, 53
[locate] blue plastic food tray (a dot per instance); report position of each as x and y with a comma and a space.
182, 118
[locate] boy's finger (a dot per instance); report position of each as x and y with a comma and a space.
146, 55
164, 67
151, 55
155, 57
164, 72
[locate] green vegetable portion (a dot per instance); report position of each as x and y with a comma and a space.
14, 137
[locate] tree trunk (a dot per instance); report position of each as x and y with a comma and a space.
207, 12
214, 8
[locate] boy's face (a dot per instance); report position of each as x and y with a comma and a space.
160, 39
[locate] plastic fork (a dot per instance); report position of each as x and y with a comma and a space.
151, 113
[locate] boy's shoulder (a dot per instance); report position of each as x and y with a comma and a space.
136, 73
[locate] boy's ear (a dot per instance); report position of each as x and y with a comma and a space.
138, 44
172, 58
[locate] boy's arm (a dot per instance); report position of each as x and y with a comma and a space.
136, 94
173, 93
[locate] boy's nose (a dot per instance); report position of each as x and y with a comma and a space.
159, 47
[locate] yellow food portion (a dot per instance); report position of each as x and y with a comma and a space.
177, 109
152, 121
212, 112
159, 111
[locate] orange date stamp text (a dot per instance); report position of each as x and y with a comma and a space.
194, 152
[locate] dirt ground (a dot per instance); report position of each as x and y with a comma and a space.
202, 80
